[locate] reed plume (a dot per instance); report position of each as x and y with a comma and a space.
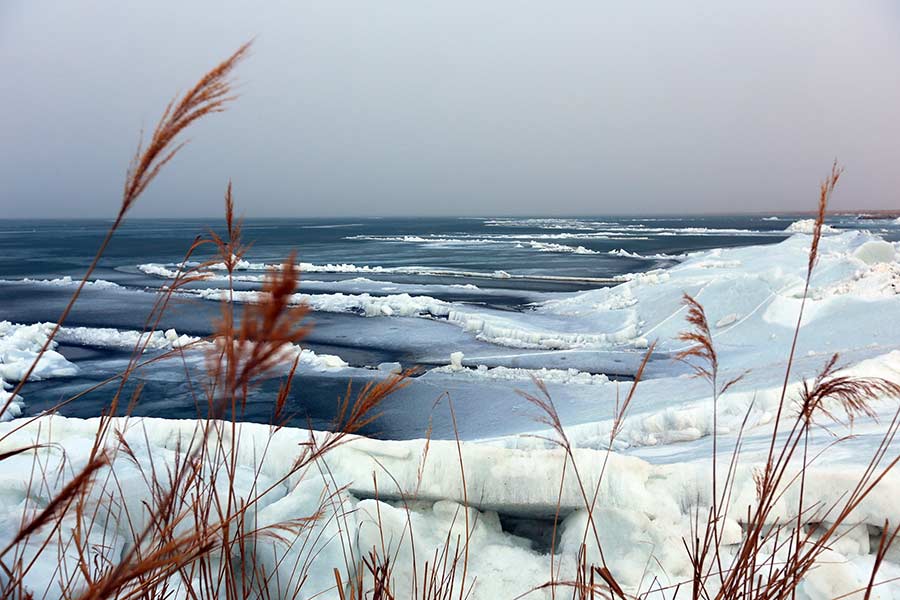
209, 95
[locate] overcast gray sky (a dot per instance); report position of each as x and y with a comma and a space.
459, 107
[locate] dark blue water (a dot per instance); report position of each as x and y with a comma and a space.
48, 248
541, 256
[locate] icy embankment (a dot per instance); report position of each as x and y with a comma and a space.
658, 256
751, 294
752, 297
643, 510
559, 248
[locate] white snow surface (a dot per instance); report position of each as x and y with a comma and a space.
643, 509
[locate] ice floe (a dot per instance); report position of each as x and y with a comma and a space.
808, 226
482, 372
20, 345
562, 248
66, 281
657, 256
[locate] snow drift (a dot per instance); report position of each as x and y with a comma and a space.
644, 509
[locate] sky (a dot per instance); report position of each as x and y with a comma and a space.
457, 108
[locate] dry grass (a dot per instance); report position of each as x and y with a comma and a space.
753, 570
195, 534
210, 95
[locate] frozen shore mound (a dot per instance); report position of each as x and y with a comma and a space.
751, 295
643, 510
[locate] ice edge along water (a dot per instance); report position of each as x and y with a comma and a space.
652, 483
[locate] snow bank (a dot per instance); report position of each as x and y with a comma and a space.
107, 337
14, 408
357, 285
158, 270
493, 326
745, 291
434, 240
364, 304
495, 238
580, 226
643, 510
876, 251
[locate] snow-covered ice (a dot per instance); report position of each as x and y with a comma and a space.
808, 226
562, 248
644, 507
20, 345
655, 476
657, 256
856, 274
66, 281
